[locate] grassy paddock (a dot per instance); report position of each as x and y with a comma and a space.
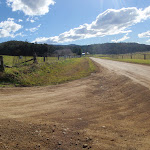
14, 60
137, 61
136, 58
47, 73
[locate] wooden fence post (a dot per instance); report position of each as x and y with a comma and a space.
45, 56
131, 56
144, 56
1, 64
34, 58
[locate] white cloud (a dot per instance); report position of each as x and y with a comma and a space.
148, 41
30, 20
34, 29
9, 28
20, 34
144, 34
110, 22
20, 20
31, 7
122, 39
146, 13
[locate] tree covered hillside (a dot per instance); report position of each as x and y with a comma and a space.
116, 48
15, 48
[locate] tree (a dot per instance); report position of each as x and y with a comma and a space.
79, 52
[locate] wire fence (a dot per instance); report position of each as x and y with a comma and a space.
18, 61
128, 56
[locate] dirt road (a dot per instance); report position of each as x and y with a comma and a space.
105, 111
136, 72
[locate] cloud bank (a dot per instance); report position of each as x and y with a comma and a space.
110, 22
8, 28
31, 7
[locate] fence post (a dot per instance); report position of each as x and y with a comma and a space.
34, 58
45, 57
144, 56
1, 64
58, 57
131, 56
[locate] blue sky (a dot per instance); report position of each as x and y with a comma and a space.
75, 21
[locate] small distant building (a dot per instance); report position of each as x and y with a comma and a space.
86, 53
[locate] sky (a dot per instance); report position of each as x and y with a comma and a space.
80, 22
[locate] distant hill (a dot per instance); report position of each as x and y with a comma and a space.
116, 48
110, 48
26, 48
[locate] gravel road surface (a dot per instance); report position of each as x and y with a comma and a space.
138, 73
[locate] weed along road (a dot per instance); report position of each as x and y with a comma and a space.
138, 73
105, 111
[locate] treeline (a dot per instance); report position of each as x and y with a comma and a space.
17, 48
116, 48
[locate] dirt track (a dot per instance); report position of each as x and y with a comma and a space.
138, 73
105, 111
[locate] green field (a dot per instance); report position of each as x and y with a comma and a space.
50, 72
15, 60
131, 58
